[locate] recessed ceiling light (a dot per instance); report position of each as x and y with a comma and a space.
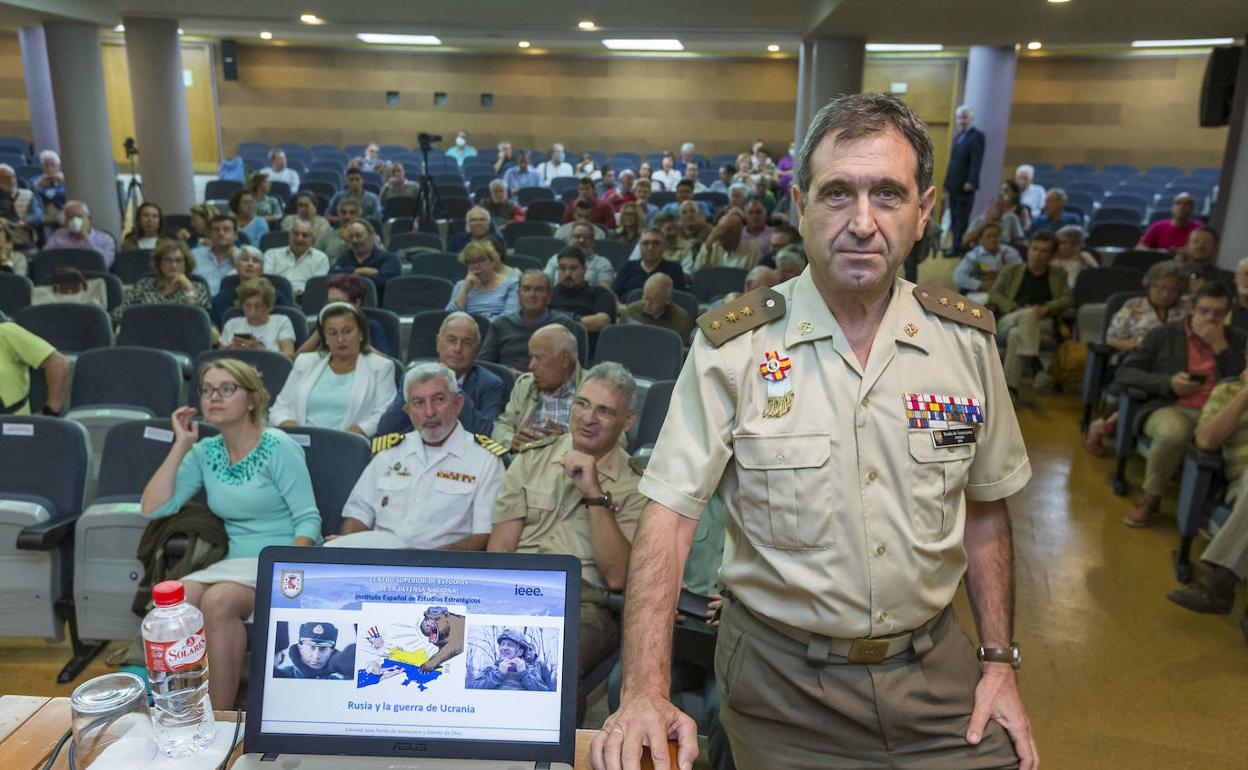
311, 18
119, 28
773, 48
1035, 45
643, 45
1058, 2
884, 47
181, 31
387, 39
1195, 42
586, 25
524, 44
266, 35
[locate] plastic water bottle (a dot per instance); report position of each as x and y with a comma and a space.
177, 666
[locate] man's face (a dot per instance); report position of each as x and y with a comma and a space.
1053, 205
550, 367
478, 223
355, 183
651, 248
756, 215
671, 232
306, 208
626, 182
1039, 254
608, 178
689, 213
523, 162
300, 238
684, 192
655, 298
990, 239
863, 211
8, 180
223, 233
598, 416
1209, 311
360, 239
457, 345
1023, 177
398, 174
642, 193
348, 210
725, 174
571, 273
372, 151
736, 197
534, 294
691, 172
731, 237
964, 120
585, 191
583, 238
780, 239
1201, 246
315, 656
433, 409
789, 269
507, 649
1181, 207
279, 161
498, 193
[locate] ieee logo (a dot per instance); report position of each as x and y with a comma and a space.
292, 583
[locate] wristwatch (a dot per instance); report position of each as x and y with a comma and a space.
605, 501
1009, 655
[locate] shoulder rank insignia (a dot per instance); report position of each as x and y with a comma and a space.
939, 301
387, 441
490, 445
638, 466
749, 311
541, 442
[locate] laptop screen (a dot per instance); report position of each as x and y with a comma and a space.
440, 653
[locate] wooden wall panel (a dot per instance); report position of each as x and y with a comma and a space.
932, 92
1111, 110
14, 111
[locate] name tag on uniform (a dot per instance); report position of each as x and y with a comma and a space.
453, 476
948, 437
928, 410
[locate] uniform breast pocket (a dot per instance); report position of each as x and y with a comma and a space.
452, 487
938, 476
393, 482
785, 490
538, 505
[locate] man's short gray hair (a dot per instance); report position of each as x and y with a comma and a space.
1027, 169
460, 315
86, 211
793, 254
497, 183
742, 186
1071, 233
628, 172
964, 109
687, 147
618, 377
562, 339
536, 271
854, 116
53, 154
583, 223
428, 371
8, 168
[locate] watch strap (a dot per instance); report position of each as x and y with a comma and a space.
999, 654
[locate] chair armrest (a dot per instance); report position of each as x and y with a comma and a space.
1130, 402
615, 601
1100, 349
46, 535
1196, 486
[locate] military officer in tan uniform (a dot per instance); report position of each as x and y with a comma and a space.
859, 431
576, 493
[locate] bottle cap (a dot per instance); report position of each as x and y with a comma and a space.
168, 593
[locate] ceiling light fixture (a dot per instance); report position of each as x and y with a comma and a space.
1035, 45
622, 44
388, 39
311, 18
773, 48
901, 47
524, 44
266, 35
181, 31
1058, 2
119, 28
1193, 43
587, 25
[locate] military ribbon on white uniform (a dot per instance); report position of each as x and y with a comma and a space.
776, 371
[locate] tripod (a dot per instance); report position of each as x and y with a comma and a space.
134, 190
428, 202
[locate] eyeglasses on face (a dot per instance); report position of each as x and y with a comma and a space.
225, 390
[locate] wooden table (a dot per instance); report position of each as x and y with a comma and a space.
30, 727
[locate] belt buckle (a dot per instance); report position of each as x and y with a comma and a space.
868, 651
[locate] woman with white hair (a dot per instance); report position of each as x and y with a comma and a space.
50, 187
1071, 256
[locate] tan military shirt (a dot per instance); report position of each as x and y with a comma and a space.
842, 519
536, 489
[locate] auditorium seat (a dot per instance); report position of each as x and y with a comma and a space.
1126, 200
541, 247
712, 282
274, 239
650, 418
399, 206
423, 340
411, 241
335, 459
439, 264
274, 368
132, 265
526, 195
1121, 235
1097, 372
524, 262
298, 319
220, 190
319, 186
1121, 214
545, 211
69, 327
616, 251
455, 207
1140, 260
184, 330
14, 292
1120, 169
314, 295
649, 352
560, 184
45, 263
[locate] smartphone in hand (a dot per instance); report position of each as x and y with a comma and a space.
693, 605
1199, 379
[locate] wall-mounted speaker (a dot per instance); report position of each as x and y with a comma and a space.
229, 60
1217, 92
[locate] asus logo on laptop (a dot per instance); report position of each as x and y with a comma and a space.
405, 746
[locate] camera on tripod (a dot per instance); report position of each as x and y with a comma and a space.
427, 140
131, 148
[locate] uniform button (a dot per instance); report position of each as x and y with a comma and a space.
866, 402
871, 476
880, 551
883, 616
779, 458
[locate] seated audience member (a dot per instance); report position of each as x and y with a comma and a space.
1178, 364
436, 487
763, 194
305, 211
727, 173
725, 247
278, 171
605, 183
684, 192
540, 400
745, 169
692, 172
256, 480
600, 212
173, 264
1071, 256
20, 208
297, 261
996, 213
396, 185
667, 175
587, 167
370, 203
1222, 426
257, 328
457, 343
521, 175
644, 171
216, 260
1054, 215
655, 308
242, 205
79, 234
1011, 194
149, 224
263, 202
68, 285
200, 231
488, 289
738, 196
505, 159
11, 260
692, 228
1200, 257
623, 192
334, 242
371, 160
556, 167
594, 306
581, 212
676, 247
980, 266
758, 277
577, 494
49, 187
478, 227
635, 273
366, 259
790, 262
1172, 233
507, 341
1030, 194
500, 207
350, 289
21, 351
461, 150
757, 232
249, 263
345, 384
1239, 308
600, 271
1029, 299
631, 225
687, 156
641, 196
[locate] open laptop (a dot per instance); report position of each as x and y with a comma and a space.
377, 659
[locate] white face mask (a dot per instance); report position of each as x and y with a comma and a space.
1243, 288
460, 141
76, 225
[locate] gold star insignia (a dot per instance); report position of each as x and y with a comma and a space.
977, 312
731, 318
747, 311
944, 300
910, 329
961, 306
715, 326
805, 327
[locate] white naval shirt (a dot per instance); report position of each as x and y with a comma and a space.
428, 497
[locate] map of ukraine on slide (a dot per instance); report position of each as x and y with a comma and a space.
410, 662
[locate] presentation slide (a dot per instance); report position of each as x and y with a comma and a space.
415, 652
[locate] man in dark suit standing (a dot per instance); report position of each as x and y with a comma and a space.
962, 176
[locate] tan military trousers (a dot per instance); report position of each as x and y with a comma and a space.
599, 637
1170, 428
782, 712
1229, 548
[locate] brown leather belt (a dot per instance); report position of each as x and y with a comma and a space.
866, 651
